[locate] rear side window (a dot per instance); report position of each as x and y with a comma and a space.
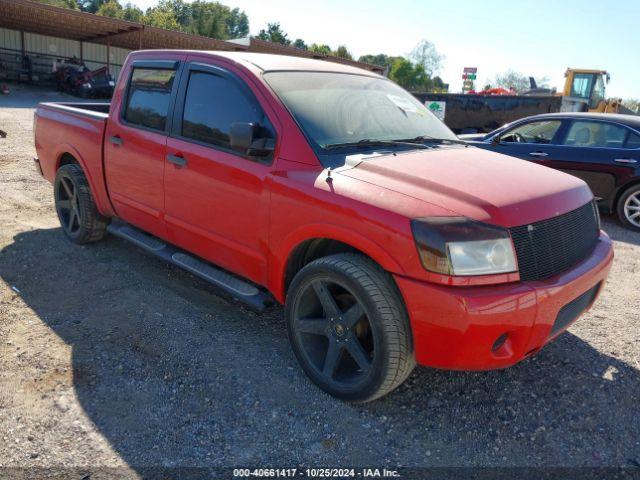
211, 105
149, 97
595, 134
633, 141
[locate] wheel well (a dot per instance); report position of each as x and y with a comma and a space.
67, 159
311, 250
620, 192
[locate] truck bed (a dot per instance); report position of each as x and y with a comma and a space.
77, 129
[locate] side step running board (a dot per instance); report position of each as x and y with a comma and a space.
231, 284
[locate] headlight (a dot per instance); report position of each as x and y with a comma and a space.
460, 246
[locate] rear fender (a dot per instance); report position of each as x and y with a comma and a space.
98, 191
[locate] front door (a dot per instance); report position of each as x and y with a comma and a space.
216, 199
532, 141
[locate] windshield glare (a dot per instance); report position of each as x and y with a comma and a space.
336, 108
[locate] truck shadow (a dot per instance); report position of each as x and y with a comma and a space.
173, 375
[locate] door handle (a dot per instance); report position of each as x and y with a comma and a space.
115, 139
177, 160
539, 154
625, 160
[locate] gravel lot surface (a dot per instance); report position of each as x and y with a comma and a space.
108, 357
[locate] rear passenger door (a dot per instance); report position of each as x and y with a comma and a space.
135, 142
216, 200
604, 154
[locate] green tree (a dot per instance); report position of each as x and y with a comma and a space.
299, 43
237, 24
274, 33
111, 9
342, 52
380, 59
425, 54
403, 73
132, 13
322, 49
156, 17
71, 4
413, 76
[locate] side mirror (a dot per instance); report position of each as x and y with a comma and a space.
495, 140
249, 139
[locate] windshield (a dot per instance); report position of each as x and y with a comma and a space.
339, 108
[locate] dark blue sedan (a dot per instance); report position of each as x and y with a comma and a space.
602, 149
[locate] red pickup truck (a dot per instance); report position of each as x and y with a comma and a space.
333, 191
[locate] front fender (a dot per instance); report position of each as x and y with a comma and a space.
279, 256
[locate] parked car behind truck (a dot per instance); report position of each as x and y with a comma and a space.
601, 149
333, 191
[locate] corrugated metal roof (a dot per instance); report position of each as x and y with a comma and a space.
35, 17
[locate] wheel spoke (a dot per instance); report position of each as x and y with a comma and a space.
351, 316
66, 187
331, 360
72, 217
326, 300
359, 355
316, 326
633, 207
64, 204
634, 215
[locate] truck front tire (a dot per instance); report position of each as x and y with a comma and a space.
80, 220
348, 327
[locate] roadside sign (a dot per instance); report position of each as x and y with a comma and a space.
437, 108
468, 76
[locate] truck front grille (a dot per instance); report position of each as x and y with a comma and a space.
551, 246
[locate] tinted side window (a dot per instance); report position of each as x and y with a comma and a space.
595, 134
149, 97
533, 132
211, 105
633, 141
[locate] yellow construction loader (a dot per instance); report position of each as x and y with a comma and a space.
584, 91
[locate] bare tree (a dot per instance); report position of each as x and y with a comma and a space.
632, 104
518, 81
425, 54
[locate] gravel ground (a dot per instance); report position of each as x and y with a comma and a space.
108, 357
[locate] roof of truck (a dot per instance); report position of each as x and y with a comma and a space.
271, 62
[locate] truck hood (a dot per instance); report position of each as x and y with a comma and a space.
474, 183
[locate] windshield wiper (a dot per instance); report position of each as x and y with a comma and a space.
427, 138
371, 142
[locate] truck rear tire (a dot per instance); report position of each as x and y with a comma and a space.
80, 220
348, 327
629, 208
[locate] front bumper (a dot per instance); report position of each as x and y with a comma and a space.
457, 327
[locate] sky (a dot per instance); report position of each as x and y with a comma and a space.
538, 38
